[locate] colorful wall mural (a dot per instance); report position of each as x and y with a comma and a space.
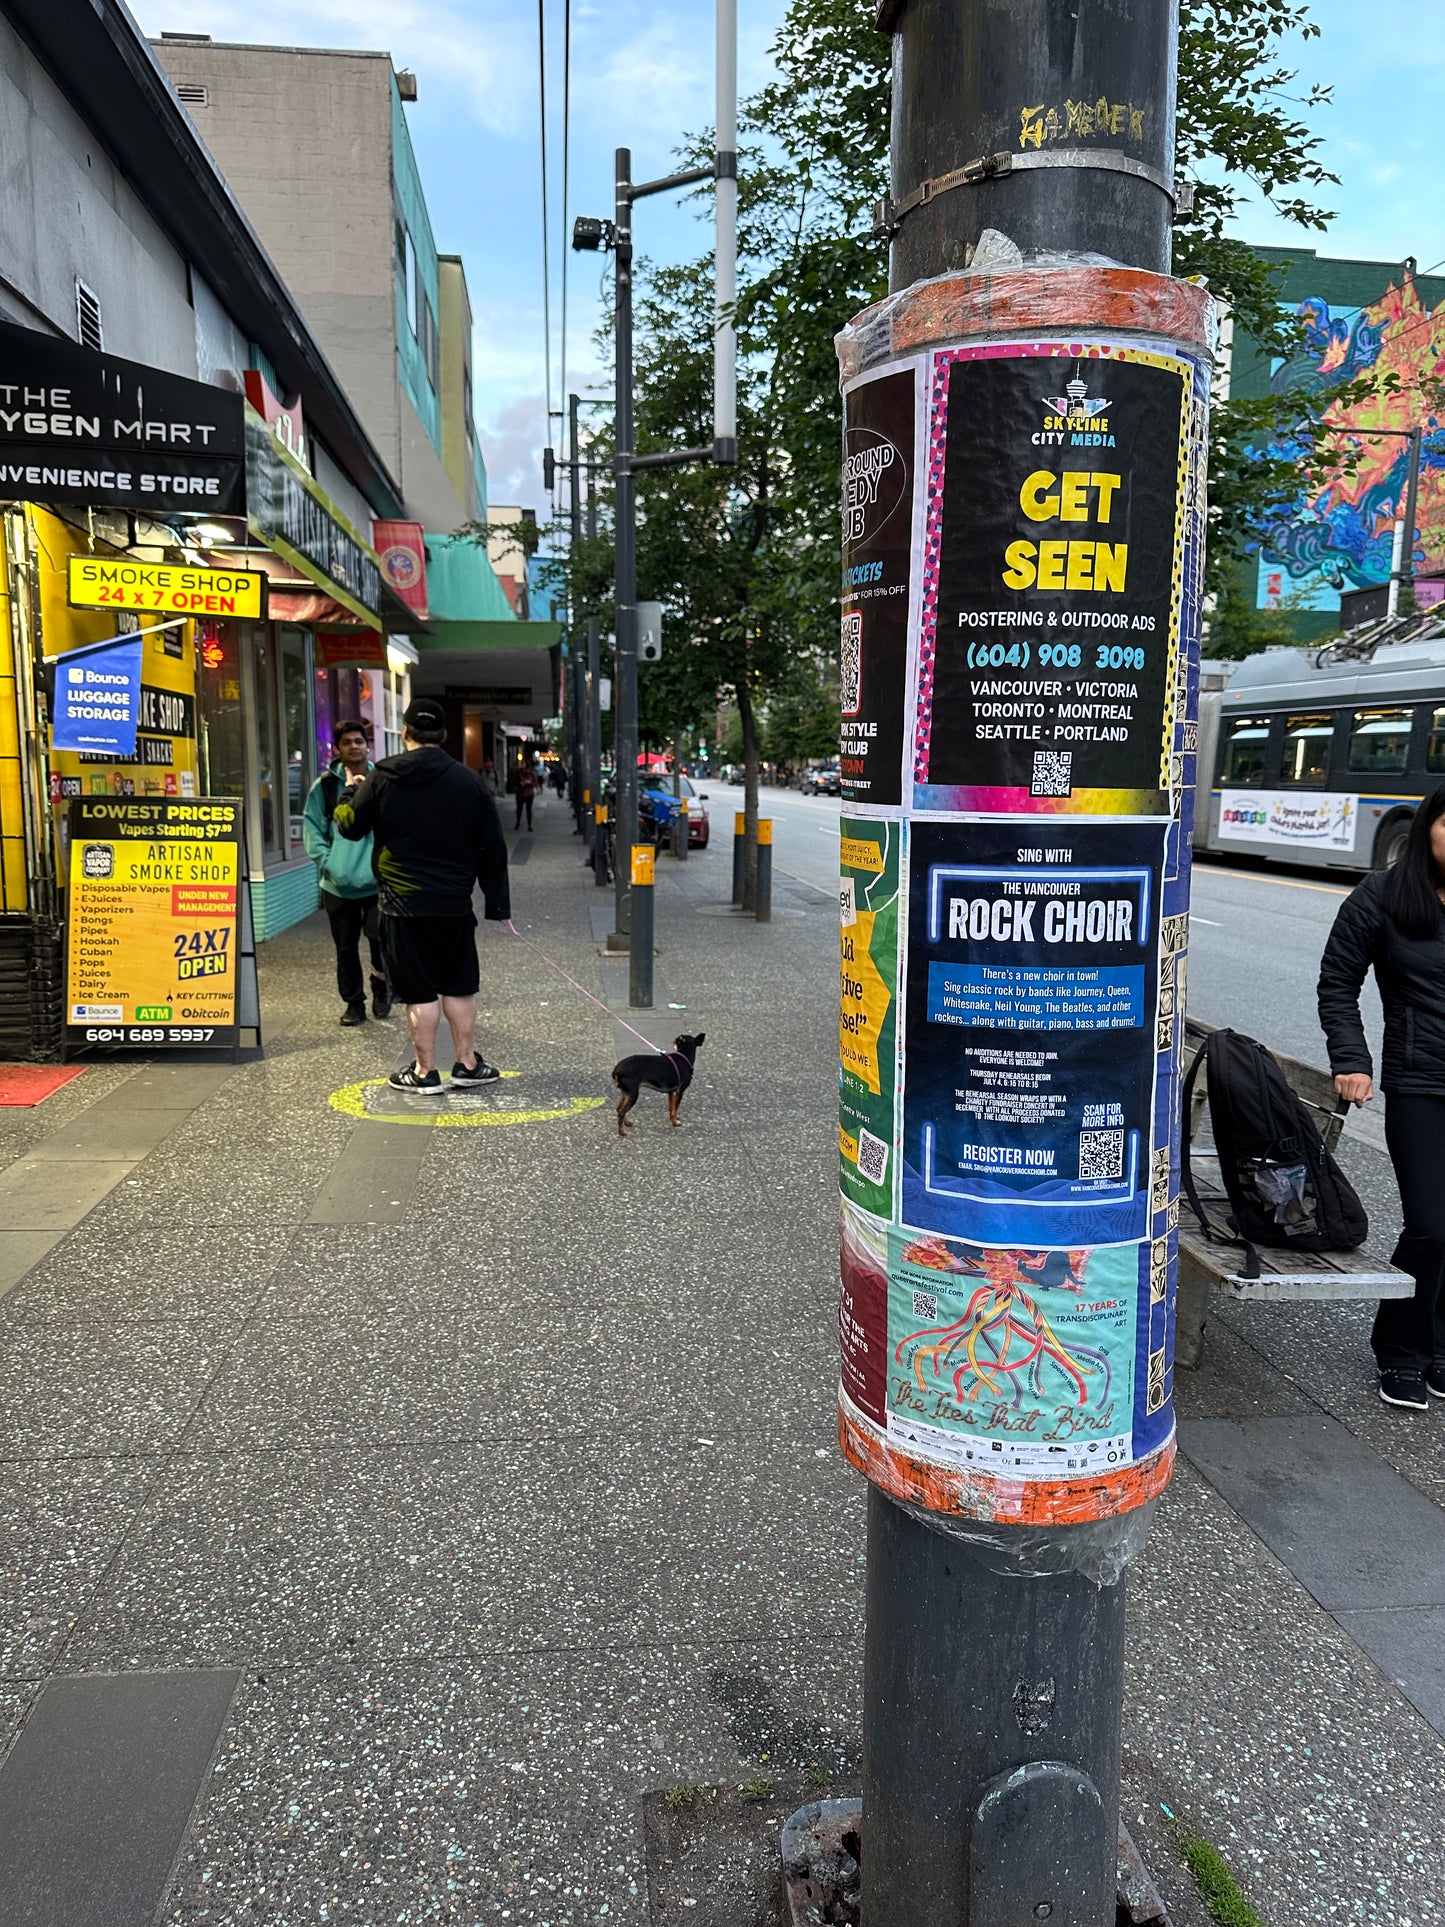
1341, 536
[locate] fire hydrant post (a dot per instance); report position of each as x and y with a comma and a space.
1025, 421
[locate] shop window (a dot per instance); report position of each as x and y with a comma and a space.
1246, 744
223, 733
1306, 755
296, 712
1435, 750
1380, 741
270, 764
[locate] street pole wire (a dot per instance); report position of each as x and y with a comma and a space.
546, 237
566, 169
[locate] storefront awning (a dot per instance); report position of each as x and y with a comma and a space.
461, 584
509, 684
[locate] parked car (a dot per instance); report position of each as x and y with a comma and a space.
826, 781
655, 810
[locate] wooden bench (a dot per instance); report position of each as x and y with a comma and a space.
1286, 1277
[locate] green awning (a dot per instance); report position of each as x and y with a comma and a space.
461, 585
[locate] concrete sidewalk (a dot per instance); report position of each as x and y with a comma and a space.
388, 1503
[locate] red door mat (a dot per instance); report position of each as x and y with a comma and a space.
25, 1084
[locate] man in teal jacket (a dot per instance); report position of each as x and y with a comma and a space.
348, 880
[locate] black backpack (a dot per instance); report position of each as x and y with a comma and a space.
1284, 1188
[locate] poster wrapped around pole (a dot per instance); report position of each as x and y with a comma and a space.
1023, 528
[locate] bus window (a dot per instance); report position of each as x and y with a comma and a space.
1245, 743
1435, 749
1306, 756
1380, 741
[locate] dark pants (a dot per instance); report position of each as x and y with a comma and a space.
349, 917
1410, 1332
524, 803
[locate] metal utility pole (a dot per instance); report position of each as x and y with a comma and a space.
589, 233
594, 681
1405, 575
725, 267
1034, 424
577, 734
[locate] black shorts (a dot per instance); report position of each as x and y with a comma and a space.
430, 957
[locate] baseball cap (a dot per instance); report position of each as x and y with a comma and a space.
424, 712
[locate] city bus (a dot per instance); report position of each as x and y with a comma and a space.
1320, 756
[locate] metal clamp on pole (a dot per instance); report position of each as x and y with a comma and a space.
889, 216
764, 899
639, 956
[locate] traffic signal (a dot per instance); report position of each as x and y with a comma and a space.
549, 469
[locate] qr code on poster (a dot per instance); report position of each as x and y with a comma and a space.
851, 675
1101, 1154
872, 1157
925, 1305
1053, 773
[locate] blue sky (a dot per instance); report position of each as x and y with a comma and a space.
643, 74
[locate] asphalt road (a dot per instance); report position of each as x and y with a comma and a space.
1255, 937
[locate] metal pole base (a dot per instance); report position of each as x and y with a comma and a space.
639, 955
991, 1716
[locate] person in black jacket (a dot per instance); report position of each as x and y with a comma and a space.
437, 835
1395, 921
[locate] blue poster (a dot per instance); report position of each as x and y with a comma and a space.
97, 698
1032, 982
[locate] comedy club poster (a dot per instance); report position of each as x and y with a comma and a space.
1030, 1030
880, 424
1048, 667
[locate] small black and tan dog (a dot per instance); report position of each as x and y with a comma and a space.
669, 1071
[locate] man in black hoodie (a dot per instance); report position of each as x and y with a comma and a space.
437, 835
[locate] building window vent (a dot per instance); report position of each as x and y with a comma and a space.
87, 316
193, 93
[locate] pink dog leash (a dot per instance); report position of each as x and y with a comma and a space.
584, 992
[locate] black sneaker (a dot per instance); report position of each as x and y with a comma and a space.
1435, 1380
481, 1072
1405, 1387
353, 1015
424, 1083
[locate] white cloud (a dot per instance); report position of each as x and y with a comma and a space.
512, 449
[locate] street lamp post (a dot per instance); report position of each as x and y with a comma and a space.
590, 234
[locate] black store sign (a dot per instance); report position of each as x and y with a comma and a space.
1060, 528
878, 484
83, 427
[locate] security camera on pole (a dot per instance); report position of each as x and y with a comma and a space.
590, 234
1024, 435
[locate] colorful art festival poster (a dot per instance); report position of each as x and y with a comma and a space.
1013, 1360
868, 928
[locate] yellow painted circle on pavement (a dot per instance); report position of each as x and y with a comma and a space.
351, 1101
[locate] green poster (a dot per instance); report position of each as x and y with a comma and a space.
868, 1006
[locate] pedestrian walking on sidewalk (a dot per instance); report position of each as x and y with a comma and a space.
526, 790
347, 879
437, 835
1395, 923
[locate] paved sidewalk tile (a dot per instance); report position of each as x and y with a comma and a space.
96, 1794
1355, 1532
61, 1521
1407, 1643
37, 1194
21, 1251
